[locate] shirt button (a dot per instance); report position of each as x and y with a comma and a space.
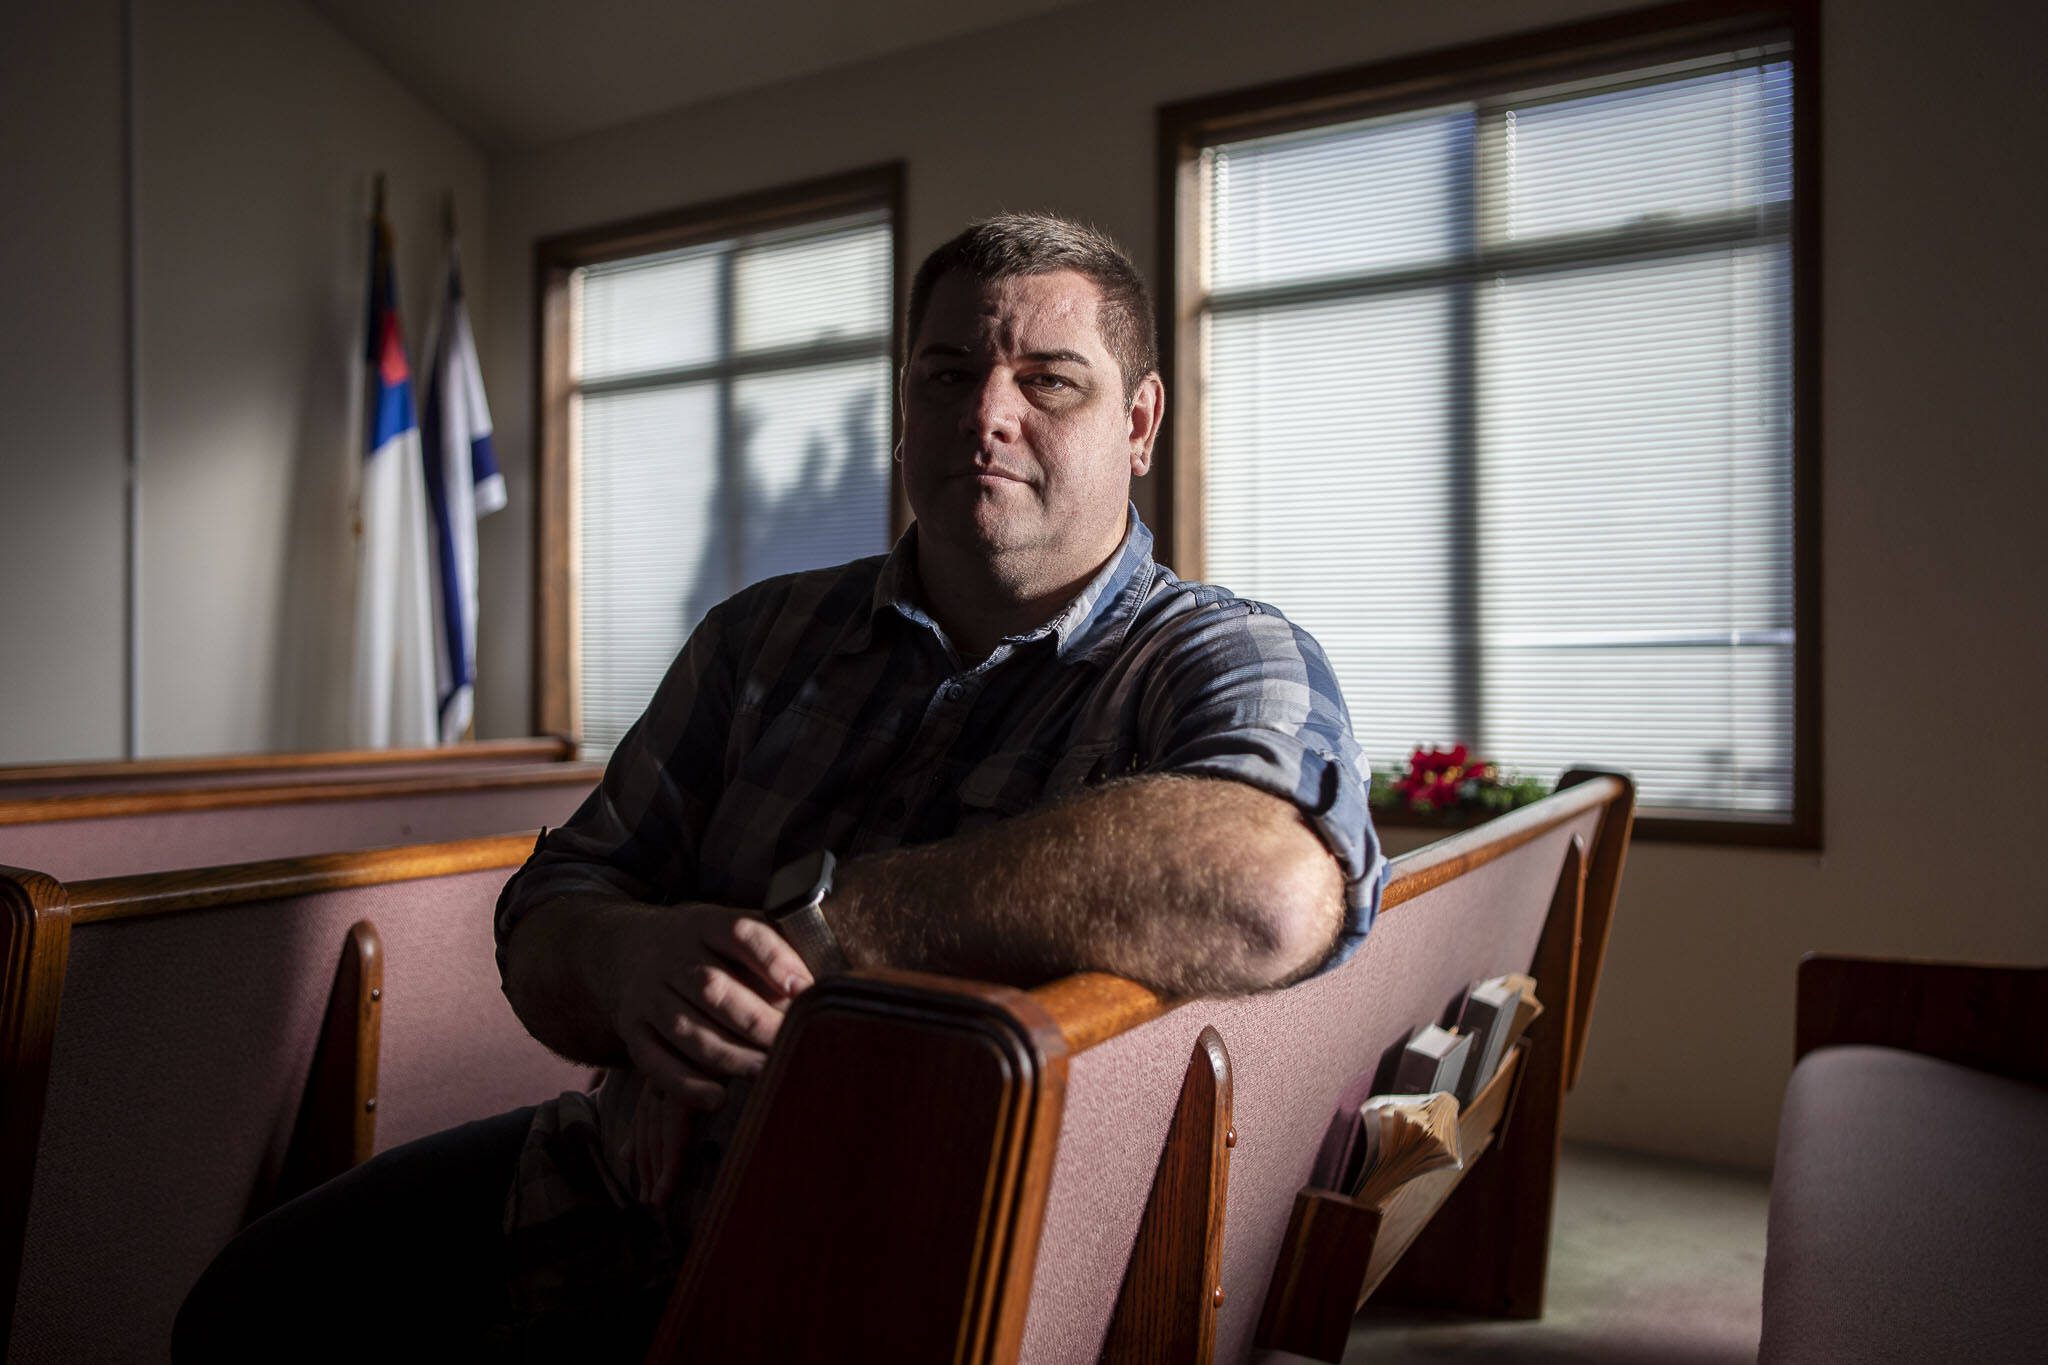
954, 691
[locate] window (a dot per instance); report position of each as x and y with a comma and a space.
1503, 397
717, 411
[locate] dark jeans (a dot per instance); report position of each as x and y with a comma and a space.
404, 1254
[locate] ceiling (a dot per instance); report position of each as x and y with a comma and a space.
518, 73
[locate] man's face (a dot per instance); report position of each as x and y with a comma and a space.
1018, 446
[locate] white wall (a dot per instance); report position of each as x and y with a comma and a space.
1933, 642
62, 381
262, 128
259, 128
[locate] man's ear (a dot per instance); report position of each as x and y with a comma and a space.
1148, 410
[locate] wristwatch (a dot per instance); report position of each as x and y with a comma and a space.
796, 899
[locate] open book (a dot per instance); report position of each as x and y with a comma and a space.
1401, 1137
1378, 1142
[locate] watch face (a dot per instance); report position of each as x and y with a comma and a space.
800, 881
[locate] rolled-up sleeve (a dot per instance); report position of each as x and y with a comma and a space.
638, 833
1244, 693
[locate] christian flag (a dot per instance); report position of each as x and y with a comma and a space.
392, 701
463, 484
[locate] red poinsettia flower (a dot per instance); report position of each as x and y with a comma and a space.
1436, 778
1433, 761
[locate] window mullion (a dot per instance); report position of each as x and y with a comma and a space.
1462, 467
741, 367
731, 476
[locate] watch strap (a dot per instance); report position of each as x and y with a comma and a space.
812, 937
796, 898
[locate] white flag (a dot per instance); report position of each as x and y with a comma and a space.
463, 484
392, 699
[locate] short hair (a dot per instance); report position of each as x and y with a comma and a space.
1013, 244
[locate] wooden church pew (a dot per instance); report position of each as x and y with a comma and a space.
163, 1077
1086, 1171
28, 781
113, 834
936, 1169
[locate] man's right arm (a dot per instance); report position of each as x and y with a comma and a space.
687, 993
601, 956
562, 963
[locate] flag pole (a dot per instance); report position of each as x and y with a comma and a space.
453, 249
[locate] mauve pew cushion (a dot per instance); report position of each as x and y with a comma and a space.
1906, 1213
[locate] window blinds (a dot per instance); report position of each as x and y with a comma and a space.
730, 422
1499, 408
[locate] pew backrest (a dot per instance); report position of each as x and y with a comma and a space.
936, 1168
79, 837
1296, 1058
187, 1008
28, 781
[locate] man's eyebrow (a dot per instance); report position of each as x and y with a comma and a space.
948, 348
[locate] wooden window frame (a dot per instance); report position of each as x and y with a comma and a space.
1493, 67
556, 627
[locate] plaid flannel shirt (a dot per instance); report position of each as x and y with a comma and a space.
827, 709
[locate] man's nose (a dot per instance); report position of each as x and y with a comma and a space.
994, 414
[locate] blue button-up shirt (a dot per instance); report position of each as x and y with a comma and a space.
827, 709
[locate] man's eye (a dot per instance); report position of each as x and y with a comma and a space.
1052, 381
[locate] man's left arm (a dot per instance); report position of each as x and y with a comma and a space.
1192, 885
1242, 858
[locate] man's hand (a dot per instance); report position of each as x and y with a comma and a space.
702, 995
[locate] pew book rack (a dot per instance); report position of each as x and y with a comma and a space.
1338, 1248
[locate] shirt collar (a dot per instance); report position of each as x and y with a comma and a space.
1094, 621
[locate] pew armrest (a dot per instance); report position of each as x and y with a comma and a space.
896, 1196
35, 946
913, 1227
1989, 1017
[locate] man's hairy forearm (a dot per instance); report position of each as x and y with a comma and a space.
1191, 885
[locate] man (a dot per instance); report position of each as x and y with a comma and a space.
1032, 749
